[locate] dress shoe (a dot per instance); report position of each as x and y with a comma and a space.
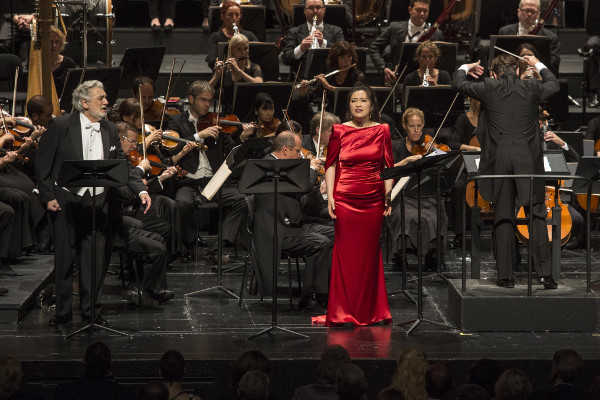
143, 300
430, 261
548, 282
59, 319
155, 28
506, 283
456, 243
312, 306
162, 296
213, 257
99, 320
168, 28
3, 291
186, 257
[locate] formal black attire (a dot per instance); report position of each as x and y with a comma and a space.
60, 74
593, 129
253, 70
188, 191
16, 190
219, 36
294, 37
391, 36
413, 79
314, 206
7, 216
72, 224
511, 143
161, 9
513, 29
313, 240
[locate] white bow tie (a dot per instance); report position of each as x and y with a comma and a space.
94, 126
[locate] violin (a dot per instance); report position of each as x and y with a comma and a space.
154, 113
425, 145
309, 155
268, 129
20, 157
157, 167
228, 123
169, 139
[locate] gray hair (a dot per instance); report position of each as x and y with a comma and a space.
83, 92
329, 120
285, 138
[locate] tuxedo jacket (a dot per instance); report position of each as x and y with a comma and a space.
294, 37
391, 36
309, 144
181, 124
509, 111
513, 29
62, 141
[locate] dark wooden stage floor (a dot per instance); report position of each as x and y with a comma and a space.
211, 330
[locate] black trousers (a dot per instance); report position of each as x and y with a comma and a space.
73, 236
161, 8
166, 209
593, 77
20, 236
7, 216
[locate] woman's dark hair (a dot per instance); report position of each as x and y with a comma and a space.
225, 6
289, 125
372, 97
261, 100
129, 106
339, 49
529, 47
172, 366
97, 360
250, 360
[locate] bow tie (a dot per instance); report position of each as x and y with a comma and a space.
94, 126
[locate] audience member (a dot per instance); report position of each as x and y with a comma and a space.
11, 381
513, 384
254, 385
566, 368
409, 377
153, 391
172, 369
250, 360
97, 384
332, 358
594, 392
468, 392
350, 382
389, 393
485, 373
438, 381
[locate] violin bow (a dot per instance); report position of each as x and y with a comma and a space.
321, 124
442, 124
393, 87
142, 119
162, 117
286, 118
14, 104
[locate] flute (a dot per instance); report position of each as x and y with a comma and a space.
337, 71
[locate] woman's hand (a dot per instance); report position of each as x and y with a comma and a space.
331, 207
388, 204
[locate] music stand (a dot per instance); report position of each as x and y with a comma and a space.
512, 42
93, 173
434, 110
141, 61
416, 168
263, 54
274, 177
110, 78
244, 93
404, 54
340, 102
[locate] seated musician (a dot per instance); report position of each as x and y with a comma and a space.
153, 109
60, 64
593, 129
315, 241
592, 45
15, 32
39, 110
7, 218
399, 32
231, 13
427, 55
238, 69
201, 165
526, 71
299, 39
346, 3
413, 121
263, 115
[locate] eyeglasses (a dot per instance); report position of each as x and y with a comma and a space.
529, 11
125, 138
315, 8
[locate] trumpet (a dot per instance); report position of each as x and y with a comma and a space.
337, 71
425, 76
315, 42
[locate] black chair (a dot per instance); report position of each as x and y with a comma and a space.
8, 67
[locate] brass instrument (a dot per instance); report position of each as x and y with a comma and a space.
425, 76
315, 42
366, 11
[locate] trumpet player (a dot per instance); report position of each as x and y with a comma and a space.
313, 33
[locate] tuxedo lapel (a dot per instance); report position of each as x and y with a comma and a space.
75, 132
187, 125
105, 140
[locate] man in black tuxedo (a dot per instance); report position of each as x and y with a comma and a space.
528, 13
567, 367
298, 39
82, 135
511, 143
399, 32
315, 241
202, 165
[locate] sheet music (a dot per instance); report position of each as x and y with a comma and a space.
547, 167
216, 181
399, 186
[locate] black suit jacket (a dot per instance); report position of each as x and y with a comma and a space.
513, 29
509, 110
62, 141
294, 37
309, 144
391, 36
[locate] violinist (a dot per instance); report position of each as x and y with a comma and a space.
427, 55
201, 165
263, 113
231, 14
399, 32
309, 142
153, 109
39, 110
238, 68
413, 122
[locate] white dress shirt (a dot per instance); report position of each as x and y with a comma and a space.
414, 32
93, 149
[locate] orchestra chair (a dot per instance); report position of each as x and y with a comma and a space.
8, 67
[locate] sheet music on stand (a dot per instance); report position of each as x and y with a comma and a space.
219, 177
401, 184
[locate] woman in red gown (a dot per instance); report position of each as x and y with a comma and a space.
358, 200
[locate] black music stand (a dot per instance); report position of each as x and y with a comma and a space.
141, 61
417, 168
435, 102
244, 93
404, 54
273, 177
110, 78
94, 173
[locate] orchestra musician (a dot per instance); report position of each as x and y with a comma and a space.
299, 39
238, 68
346, 3
153, 109
399, 32
294, 234
82, 135
161, 9
7, 217
263, 114
60, 64
511, 143
231, 14
427, 55
15, 32
201, 165
413, 122
527, 72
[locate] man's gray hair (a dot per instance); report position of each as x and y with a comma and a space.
285, 138
83, 92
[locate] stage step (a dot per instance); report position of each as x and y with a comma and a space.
485, 307
32, 275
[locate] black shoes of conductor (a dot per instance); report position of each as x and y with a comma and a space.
547, 281
506, 283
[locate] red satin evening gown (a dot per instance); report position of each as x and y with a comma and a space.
357, 291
